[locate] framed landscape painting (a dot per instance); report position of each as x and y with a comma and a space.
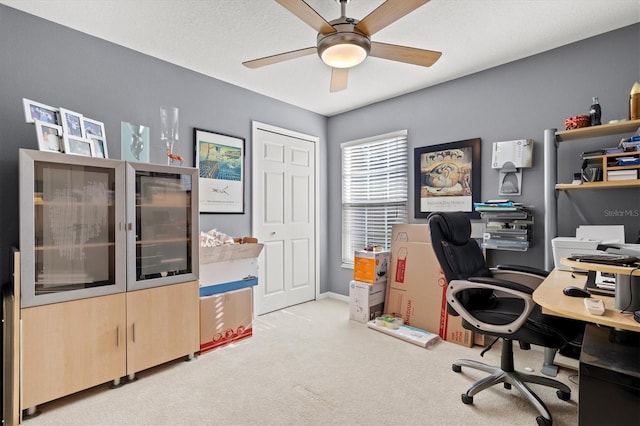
220, 163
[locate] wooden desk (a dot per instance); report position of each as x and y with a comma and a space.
602, 268
600, 378
549, 295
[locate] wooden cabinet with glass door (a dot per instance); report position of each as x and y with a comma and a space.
162, 216
108, 270
72, 241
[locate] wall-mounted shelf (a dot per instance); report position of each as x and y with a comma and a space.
608, 163
599, 185
507, 230
552, 137
629, 126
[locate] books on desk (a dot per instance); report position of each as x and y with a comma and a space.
601, 283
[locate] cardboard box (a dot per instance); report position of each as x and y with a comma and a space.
228, 267
370, 266
225, 318
366, 301
479, 339
416, 290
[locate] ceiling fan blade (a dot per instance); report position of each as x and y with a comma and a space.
339, 78
268, 60
410, 55
305, 12
387, 13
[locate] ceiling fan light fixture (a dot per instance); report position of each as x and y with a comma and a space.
344, 50
345, 55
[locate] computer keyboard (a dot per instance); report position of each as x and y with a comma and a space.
607, 259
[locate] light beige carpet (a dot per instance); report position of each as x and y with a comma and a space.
310, 365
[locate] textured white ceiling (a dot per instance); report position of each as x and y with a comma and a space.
214, 37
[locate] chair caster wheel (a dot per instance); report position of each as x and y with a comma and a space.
456, 368
543, 422
565, 396
507, 386
466, 399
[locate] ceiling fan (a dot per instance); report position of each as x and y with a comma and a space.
345, 42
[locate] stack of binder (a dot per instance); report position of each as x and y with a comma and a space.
508, 225
630, 144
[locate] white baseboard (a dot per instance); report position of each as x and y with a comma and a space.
332, 295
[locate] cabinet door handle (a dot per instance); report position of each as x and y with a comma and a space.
133, 332
129, 226
118, 336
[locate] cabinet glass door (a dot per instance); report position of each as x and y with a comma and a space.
164, 218
69, 216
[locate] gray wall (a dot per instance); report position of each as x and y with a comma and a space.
515, 101
518, 100
61, 67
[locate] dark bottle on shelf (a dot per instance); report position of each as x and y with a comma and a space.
595, 112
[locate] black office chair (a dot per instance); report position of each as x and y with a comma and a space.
498, 307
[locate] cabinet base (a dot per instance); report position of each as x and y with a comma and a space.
116, 383
30, 413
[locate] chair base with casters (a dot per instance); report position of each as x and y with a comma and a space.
507, 375
497, 302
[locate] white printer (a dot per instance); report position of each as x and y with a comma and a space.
586, 241
570, 246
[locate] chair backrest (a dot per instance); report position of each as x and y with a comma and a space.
459, 255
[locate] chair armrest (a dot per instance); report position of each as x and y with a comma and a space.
531, 277
515, 289
523, 268
502, 284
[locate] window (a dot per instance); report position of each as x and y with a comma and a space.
374, 191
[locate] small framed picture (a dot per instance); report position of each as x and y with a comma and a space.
99, 146
49, 136
93, 127
72, 123
36, 111
78, 145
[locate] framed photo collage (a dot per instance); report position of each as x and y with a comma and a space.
63, 130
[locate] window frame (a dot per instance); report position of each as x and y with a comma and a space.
402, 204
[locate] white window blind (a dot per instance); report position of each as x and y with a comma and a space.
374, 191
